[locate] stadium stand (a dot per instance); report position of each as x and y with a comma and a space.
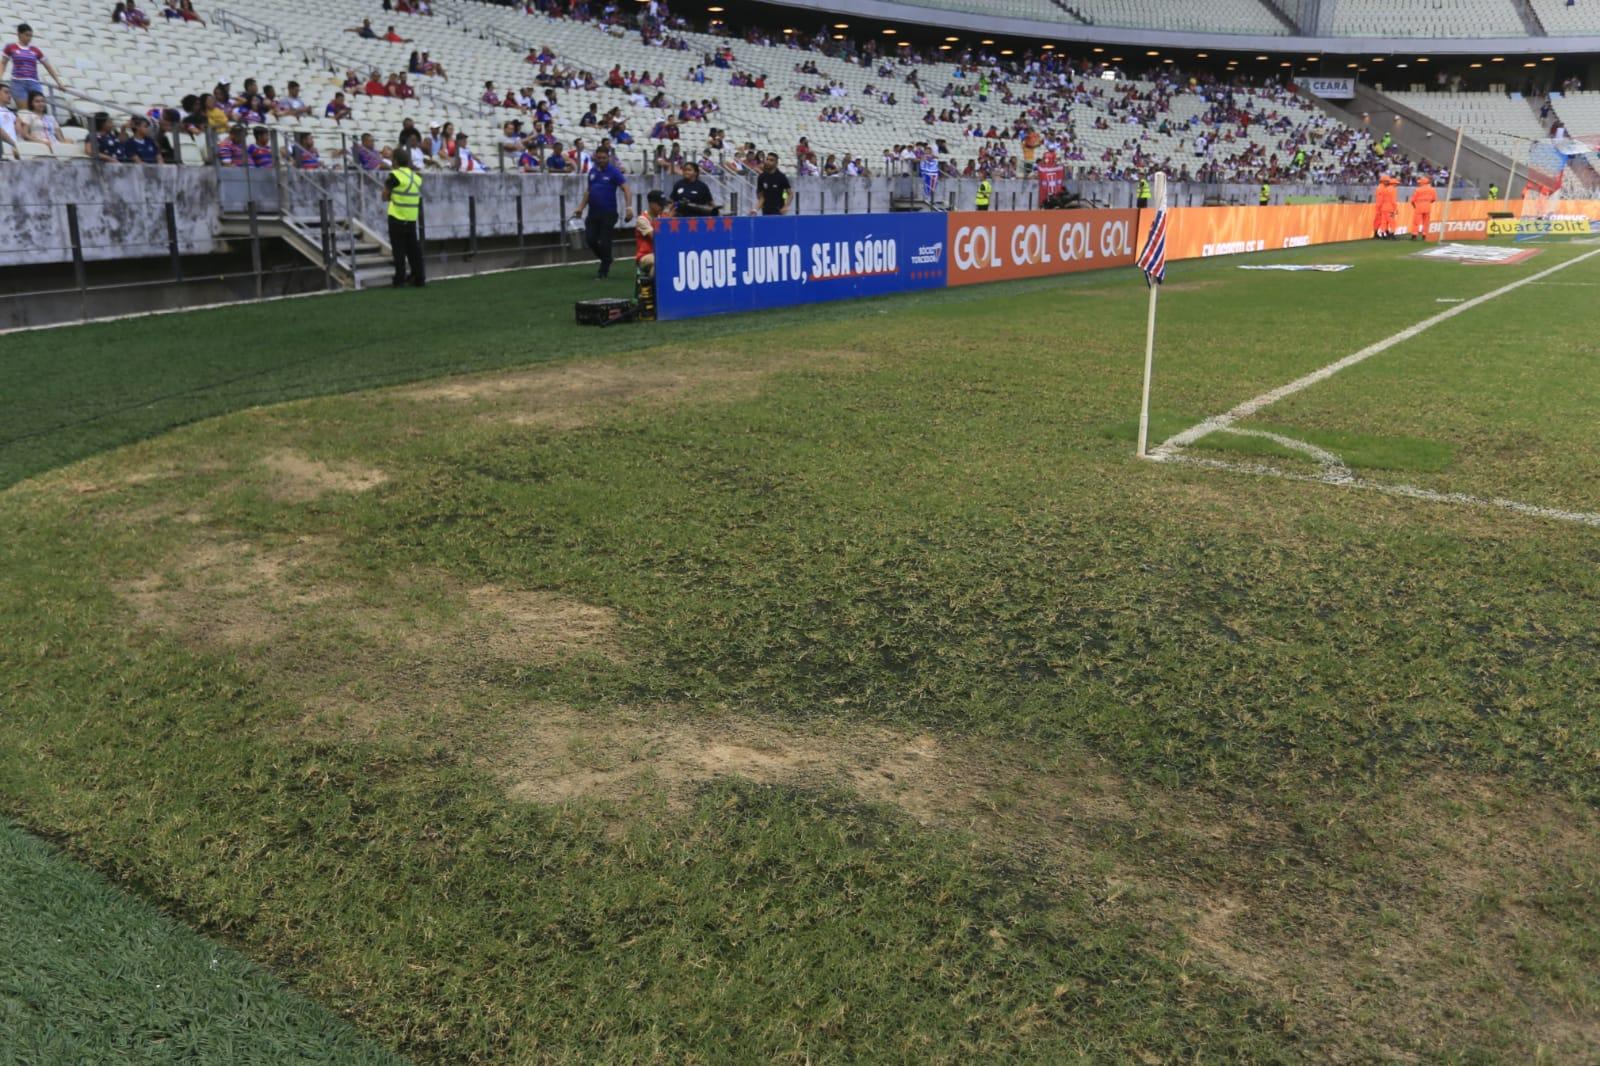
1437, 18
1215, 16
1560, 18
1579, 112
1103, 128
1499, 122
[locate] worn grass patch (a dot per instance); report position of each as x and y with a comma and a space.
766, 699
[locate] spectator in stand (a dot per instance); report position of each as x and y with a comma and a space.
528, 161
304, 154
337, 109
466, 162
259, 153
126, 16
413, 142
230, 149
8, 123
194, 118
368, 157
167, 135
38, 125
190, 14
556, 163
579, 157
375, 85
394, 38
102, 145
772, 188
512, 139
24, 58
291, 106
140, 148
364, 30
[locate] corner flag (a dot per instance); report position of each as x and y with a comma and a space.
1153, 261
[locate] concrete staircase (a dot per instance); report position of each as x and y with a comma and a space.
352, 255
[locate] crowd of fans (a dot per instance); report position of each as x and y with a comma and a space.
1232, 129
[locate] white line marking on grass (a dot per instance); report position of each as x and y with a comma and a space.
1266, 399
1412, 492
1333, 469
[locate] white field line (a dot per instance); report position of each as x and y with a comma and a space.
1266, 399
1412, 492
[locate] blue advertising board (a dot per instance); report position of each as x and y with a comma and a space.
710, 266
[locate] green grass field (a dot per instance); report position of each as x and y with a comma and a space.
823, 685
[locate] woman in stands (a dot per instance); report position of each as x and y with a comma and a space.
130, 16
36, 124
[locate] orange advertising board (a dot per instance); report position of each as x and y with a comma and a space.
1202, 232
1001, 245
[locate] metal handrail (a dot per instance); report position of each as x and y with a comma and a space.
232, 22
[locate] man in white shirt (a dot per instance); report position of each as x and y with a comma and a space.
8, 122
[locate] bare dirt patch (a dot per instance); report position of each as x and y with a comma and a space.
298, 478
231, 593
539, 626
554, 755
574, 395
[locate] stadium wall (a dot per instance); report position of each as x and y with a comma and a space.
121, 211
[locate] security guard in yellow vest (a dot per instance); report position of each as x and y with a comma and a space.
1144, 193
403, 191
985, 193
1266, 194
1494, 192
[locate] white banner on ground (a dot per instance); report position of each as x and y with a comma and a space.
1321, 268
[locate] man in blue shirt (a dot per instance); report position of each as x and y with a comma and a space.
600, 196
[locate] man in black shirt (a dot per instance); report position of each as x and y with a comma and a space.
772, 188
691, 197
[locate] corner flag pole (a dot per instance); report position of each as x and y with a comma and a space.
1158, 201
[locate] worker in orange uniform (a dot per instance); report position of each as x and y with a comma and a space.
1386, 203
1380, 207
1422, 201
